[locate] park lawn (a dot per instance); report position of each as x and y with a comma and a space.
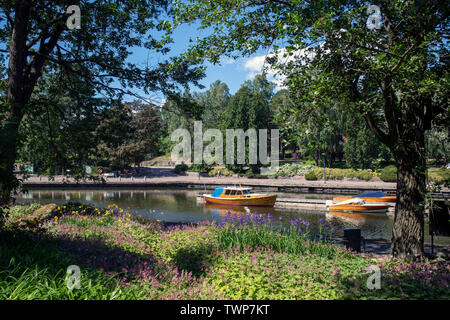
123, 257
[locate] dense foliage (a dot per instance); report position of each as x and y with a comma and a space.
42, 58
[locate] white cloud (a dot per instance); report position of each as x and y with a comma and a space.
256, 65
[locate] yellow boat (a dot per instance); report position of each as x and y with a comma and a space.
238, 196
371, 196
356, 205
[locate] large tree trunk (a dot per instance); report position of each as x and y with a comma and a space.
408, 229
18, 93
8, 182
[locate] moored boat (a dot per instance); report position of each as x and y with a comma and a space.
357, 205
239, 196
370, 196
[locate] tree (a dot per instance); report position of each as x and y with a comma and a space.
57, 131
35, 39
394, 73
249, 109
438, 145
214, 102
363, 149
281, 105
113, 132
146, 124
128, 134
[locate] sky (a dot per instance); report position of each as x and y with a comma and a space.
233, 72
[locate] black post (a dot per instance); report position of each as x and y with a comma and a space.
352, 239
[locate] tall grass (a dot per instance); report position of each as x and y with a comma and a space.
33, 268
253, 230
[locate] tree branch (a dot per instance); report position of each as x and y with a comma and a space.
382, 136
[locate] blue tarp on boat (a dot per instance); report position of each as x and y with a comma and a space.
370, 194
217, 192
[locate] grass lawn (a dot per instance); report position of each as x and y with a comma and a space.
123, 257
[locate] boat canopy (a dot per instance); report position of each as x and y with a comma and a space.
237, 188
370, 194
217, 192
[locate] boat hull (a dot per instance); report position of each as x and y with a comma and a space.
369, 208
259, 201
380, 199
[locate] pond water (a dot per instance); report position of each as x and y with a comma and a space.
175, 205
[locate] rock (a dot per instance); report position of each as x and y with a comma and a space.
45, 212
34, 220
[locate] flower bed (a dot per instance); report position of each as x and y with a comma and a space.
248, 257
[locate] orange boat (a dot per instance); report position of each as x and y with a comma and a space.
238, 196
357, 205
371, 196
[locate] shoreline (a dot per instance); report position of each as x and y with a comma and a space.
192, 181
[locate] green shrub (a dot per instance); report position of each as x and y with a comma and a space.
439, 175
365, 175
290, 170
226, 172
361, 174
311, 175
336, 174
339, 174
180, 168
260, 176
223, 172
249, 174
389, 174
203, 168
